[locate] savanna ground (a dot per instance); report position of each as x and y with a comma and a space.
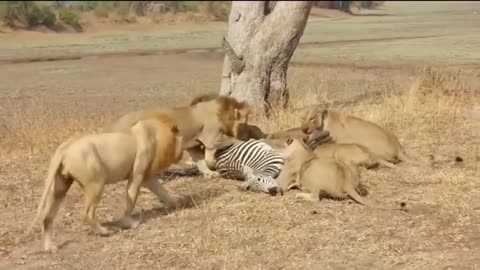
411, 67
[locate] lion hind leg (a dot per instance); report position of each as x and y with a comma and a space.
133, 189
52, 205
93, 194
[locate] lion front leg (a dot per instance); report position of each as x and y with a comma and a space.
205, 171
286, 178
133, 188
306, 196
162, 194
198, 157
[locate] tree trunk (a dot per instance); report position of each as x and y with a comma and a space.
261, 40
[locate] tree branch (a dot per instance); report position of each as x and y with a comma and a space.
237, 62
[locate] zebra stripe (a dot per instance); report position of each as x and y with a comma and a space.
257, 155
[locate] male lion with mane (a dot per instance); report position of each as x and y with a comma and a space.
96, 160
209, 120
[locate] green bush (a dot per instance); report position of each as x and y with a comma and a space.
89, 5
372, 4
48, 17
123, 7
3, 10
218, 9
101, 11
80, 6
41, 16
69, 17
190, 6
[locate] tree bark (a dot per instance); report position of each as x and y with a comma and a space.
261, 40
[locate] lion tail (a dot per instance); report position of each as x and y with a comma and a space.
54, 167
413, 158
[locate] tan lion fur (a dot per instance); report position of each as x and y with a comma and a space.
322, 177
248, 131
96, 160
209, 119
347, 129
350, 152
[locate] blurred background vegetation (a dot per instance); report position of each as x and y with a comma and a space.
58, 14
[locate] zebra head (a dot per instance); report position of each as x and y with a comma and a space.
259, 182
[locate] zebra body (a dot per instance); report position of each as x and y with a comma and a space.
253, 161
254, 154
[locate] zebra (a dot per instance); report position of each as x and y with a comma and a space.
253, 161
259, 182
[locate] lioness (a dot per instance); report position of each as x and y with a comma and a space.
96, 160
207, 120
321, 177
347, 129
351, 152
248, 131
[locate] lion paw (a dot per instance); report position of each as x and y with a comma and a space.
129, 223
171, 204
50, 247
102, 231
211, 175
304, 196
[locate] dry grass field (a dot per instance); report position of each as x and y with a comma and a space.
411, 67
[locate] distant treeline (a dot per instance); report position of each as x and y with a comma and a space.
52, 14
346, 5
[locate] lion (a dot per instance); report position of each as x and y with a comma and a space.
354, 153
206, 121
351, 152
282, 139
347, 129
320, 178
96, 160
247, 131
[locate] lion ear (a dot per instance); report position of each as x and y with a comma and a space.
174, 129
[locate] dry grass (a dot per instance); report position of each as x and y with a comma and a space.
431, 110
32, 126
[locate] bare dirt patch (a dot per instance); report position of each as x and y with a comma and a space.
210, 50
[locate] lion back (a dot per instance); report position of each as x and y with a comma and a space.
130, 119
